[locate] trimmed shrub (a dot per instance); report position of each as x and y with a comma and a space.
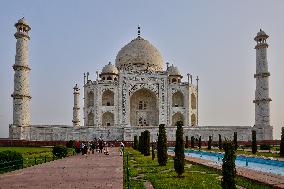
220, 142
253, 143
162, 153
229, 167
139, 144
282, 143
179, 150
236, 140
10, 160
192, 142
209, 143
186, 142
135, 145
142, 143
265, 147
199, 142
146, 143
59, 151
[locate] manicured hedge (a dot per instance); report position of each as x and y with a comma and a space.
60, 151
10, 160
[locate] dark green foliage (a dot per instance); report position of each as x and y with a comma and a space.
265, 147
236, 140
153, 151
10, 160
220, 142
59, 151
199, 142
253, 143
209, 143
93, 145
229, 167
146, 143
70, 144
186, 142
162, 146
135, 145
179, 150
282, 143
192, 142
142, 148
139, 144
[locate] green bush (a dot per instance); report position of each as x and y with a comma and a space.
253, 144
135, 145
209, 143
162, 153
199, 142
146, 143
186, 142
220, 145
229, 167
59, 151
236, 140
282, 143
153, 151
192, 142
265, 147
10, 160
179, 150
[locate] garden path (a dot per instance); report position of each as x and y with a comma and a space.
79, 171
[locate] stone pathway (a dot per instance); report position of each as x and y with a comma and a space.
277, 181
92, 171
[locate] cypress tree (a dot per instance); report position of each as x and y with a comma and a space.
192, 142
253, 144
236, 140
220, 142
186, 142
282, 143
142, 142
179, 150
162, 146
229, 167
146, 143
135, 145
209, 142
153, 151
139, 144
199, 142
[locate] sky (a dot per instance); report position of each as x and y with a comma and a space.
211, 39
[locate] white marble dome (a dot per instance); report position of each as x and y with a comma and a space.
109, 69
139, 55
173, 70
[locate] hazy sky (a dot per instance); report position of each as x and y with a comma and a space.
211, 39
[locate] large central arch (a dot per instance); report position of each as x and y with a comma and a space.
144, 109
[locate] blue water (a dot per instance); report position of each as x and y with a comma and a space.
255, 163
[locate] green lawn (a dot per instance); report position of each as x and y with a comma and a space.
34, 155
195, 176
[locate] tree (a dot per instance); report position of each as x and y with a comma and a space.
209, 142
199, 142
142, 142
162, 146
139, 144
186, 142
282, 143
179, 150
229, 167
236, 140
135, 145
253, 144
153, 151
146, 143
192, 142
220, 142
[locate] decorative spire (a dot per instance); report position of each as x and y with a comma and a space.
139, 31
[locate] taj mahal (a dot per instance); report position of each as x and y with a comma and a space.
139, 91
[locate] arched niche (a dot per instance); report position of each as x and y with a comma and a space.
177, 117
90, 99
108, 98
193, 120
90, 121
108, 119
177, 99
193, 101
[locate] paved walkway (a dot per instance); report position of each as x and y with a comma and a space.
276, 181
92, 171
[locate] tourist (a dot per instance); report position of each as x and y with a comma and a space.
121, 148
101, 145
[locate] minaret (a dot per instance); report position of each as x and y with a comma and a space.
76, 108
21, 95
262, 100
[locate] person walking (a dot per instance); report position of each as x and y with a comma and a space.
121, 148
101, 145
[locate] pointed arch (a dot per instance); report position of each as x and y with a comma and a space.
108, 119
193, 120
108, 98
177, 99
177, 117
193, 101
90, 121
90, 99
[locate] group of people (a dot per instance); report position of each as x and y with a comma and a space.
98, 145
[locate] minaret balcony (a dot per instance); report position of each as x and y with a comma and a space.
261, 75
